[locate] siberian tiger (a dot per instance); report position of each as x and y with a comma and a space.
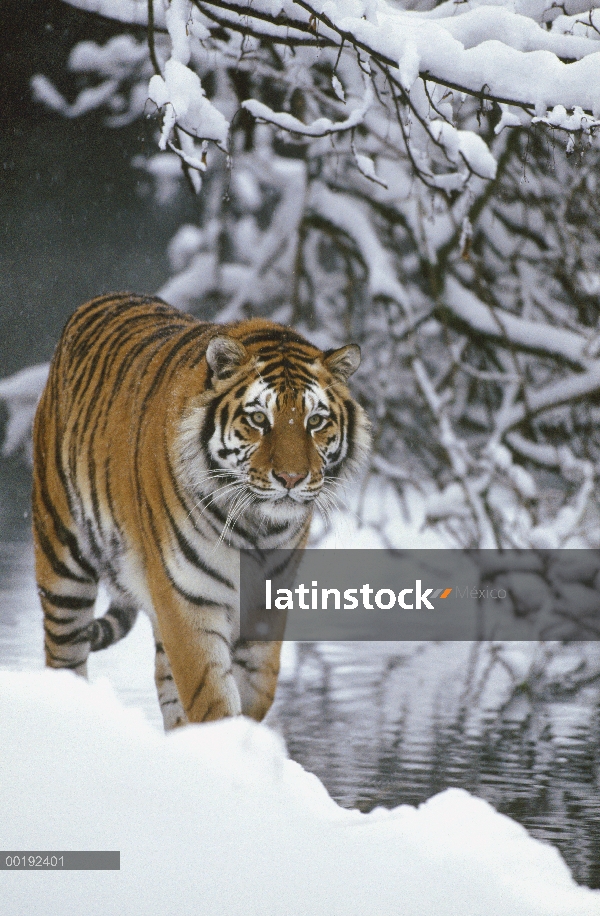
163, 445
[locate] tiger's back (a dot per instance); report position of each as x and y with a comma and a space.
162, 445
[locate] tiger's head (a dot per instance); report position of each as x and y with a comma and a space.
279, 420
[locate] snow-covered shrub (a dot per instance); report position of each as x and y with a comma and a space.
400, 177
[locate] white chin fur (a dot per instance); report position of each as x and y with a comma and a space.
281, 510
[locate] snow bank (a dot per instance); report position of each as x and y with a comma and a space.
216, 819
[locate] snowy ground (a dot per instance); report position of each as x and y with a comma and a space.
216, 819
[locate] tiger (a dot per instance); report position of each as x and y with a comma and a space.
164, 445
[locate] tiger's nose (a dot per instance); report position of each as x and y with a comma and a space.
288, 480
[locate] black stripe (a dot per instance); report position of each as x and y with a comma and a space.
75, 637
93, 483
350, 429
284, 335
103, 634
160, 335
283, 565
109, 499
278, 528
212, 706
125, 617
114, 347
188, 508
57, 566
214, 510
102, 347
221, 637
59, 620
190, 554
224, 419
159, 376
86, 316
243, 663
202, 683
64, 662
208, 429
173, 353
68, 602
290, 372
58, 460
86, 362
290, 351
66, 537
196, 600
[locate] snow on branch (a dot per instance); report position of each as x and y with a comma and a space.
344, 213
538, 337
519, 63
180, 92
322, 127
294, 30
465, 145
484, 50
473, 290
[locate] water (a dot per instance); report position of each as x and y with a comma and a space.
385, 724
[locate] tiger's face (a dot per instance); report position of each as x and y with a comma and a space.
282, 428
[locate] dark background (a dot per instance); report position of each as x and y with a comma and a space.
76, 218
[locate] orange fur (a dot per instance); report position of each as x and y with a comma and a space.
162, 445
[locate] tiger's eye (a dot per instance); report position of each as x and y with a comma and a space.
314, 421
259, 417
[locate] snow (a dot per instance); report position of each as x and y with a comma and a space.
466, 145
503, 47
338, 88
181, 92
87, 100
21, 393
177, 15
345, 212
217, 819
465, 305
468, 46
112, 59
319, 128
579, 120
409, 65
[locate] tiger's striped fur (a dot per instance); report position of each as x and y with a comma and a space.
163, 445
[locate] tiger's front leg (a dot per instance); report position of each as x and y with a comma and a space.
193, 647
172, 711
256, 669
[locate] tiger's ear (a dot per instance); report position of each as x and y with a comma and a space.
344, 362
224, 355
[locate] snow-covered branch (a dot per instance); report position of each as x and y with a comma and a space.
400, 177
322, 127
